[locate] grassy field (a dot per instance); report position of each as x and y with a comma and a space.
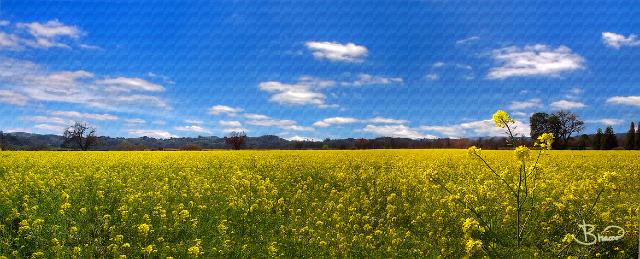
379, 203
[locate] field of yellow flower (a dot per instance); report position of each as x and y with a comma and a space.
378, 203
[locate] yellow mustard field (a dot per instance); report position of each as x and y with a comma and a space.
377, 203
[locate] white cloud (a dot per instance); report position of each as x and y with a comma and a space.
9, 41
238, 129
348, 120
50, 128
467, 40
293, 94
335, 120
126, 84
307, 90
625, 100
12, 97
336, 51
383, 120
534, 60
479, 128
606, 121
151, 133
299, 138
567, 105
4, 23
193, 128
432, 77
49, 120
366, 79
396, 131
48, 35
223, 109
230, 123
193, 121
85, 116
616, 41
528, 104
35, 83
266, 121
135, 121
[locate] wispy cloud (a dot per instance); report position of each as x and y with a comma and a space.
467, 40
625, 100
606, 121
193, 128
567, 105
528, 104
29, 81
85, 116
223, 109
266, 121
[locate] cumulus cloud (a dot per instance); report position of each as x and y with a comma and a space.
567, 105
528, 104
625, 100
85, 116
223, 109
301, 93
616, 41
534, 60
396, 131
334, 51
151, 133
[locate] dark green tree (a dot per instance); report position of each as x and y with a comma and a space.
609, 140
583, 142
597, 140
637, 138
539, 123
630, 140
562, 124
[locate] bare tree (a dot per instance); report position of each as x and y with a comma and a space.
567, 124
81, 135
236, 139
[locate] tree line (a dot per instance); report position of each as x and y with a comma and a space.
564, 125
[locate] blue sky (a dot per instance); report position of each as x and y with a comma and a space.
315, 69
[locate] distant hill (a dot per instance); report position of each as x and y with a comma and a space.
29, 141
